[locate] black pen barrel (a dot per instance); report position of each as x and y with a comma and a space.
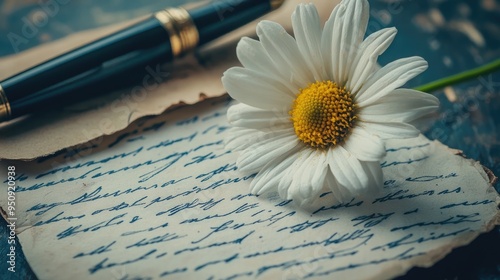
97, 82
28, 90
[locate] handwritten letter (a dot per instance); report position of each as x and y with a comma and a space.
163, 199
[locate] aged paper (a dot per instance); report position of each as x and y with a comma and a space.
187, 81
163, 199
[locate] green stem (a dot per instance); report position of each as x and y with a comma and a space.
460, 77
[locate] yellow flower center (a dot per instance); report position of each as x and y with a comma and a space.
322, 114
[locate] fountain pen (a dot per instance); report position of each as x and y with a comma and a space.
87, 71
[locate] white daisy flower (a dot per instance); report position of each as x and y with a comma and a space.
315, 110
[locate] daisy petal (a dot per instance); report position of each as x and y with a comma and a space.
354, 28
238, 138
307, 30
375, 177
327, 41
270, 175
262, 151
287, 180
284, 52
252, 56
400, 105
339, 192
364, 145
391, 130
366, 58
347, 25
388, 78
299, 188
312, 179
348, 170
242, 115
318, 179
256, 90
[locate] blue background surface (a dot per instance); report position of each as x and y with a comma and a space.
433, 29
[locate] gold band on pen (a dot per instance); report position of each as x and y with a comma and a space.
183, 33
4, 106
